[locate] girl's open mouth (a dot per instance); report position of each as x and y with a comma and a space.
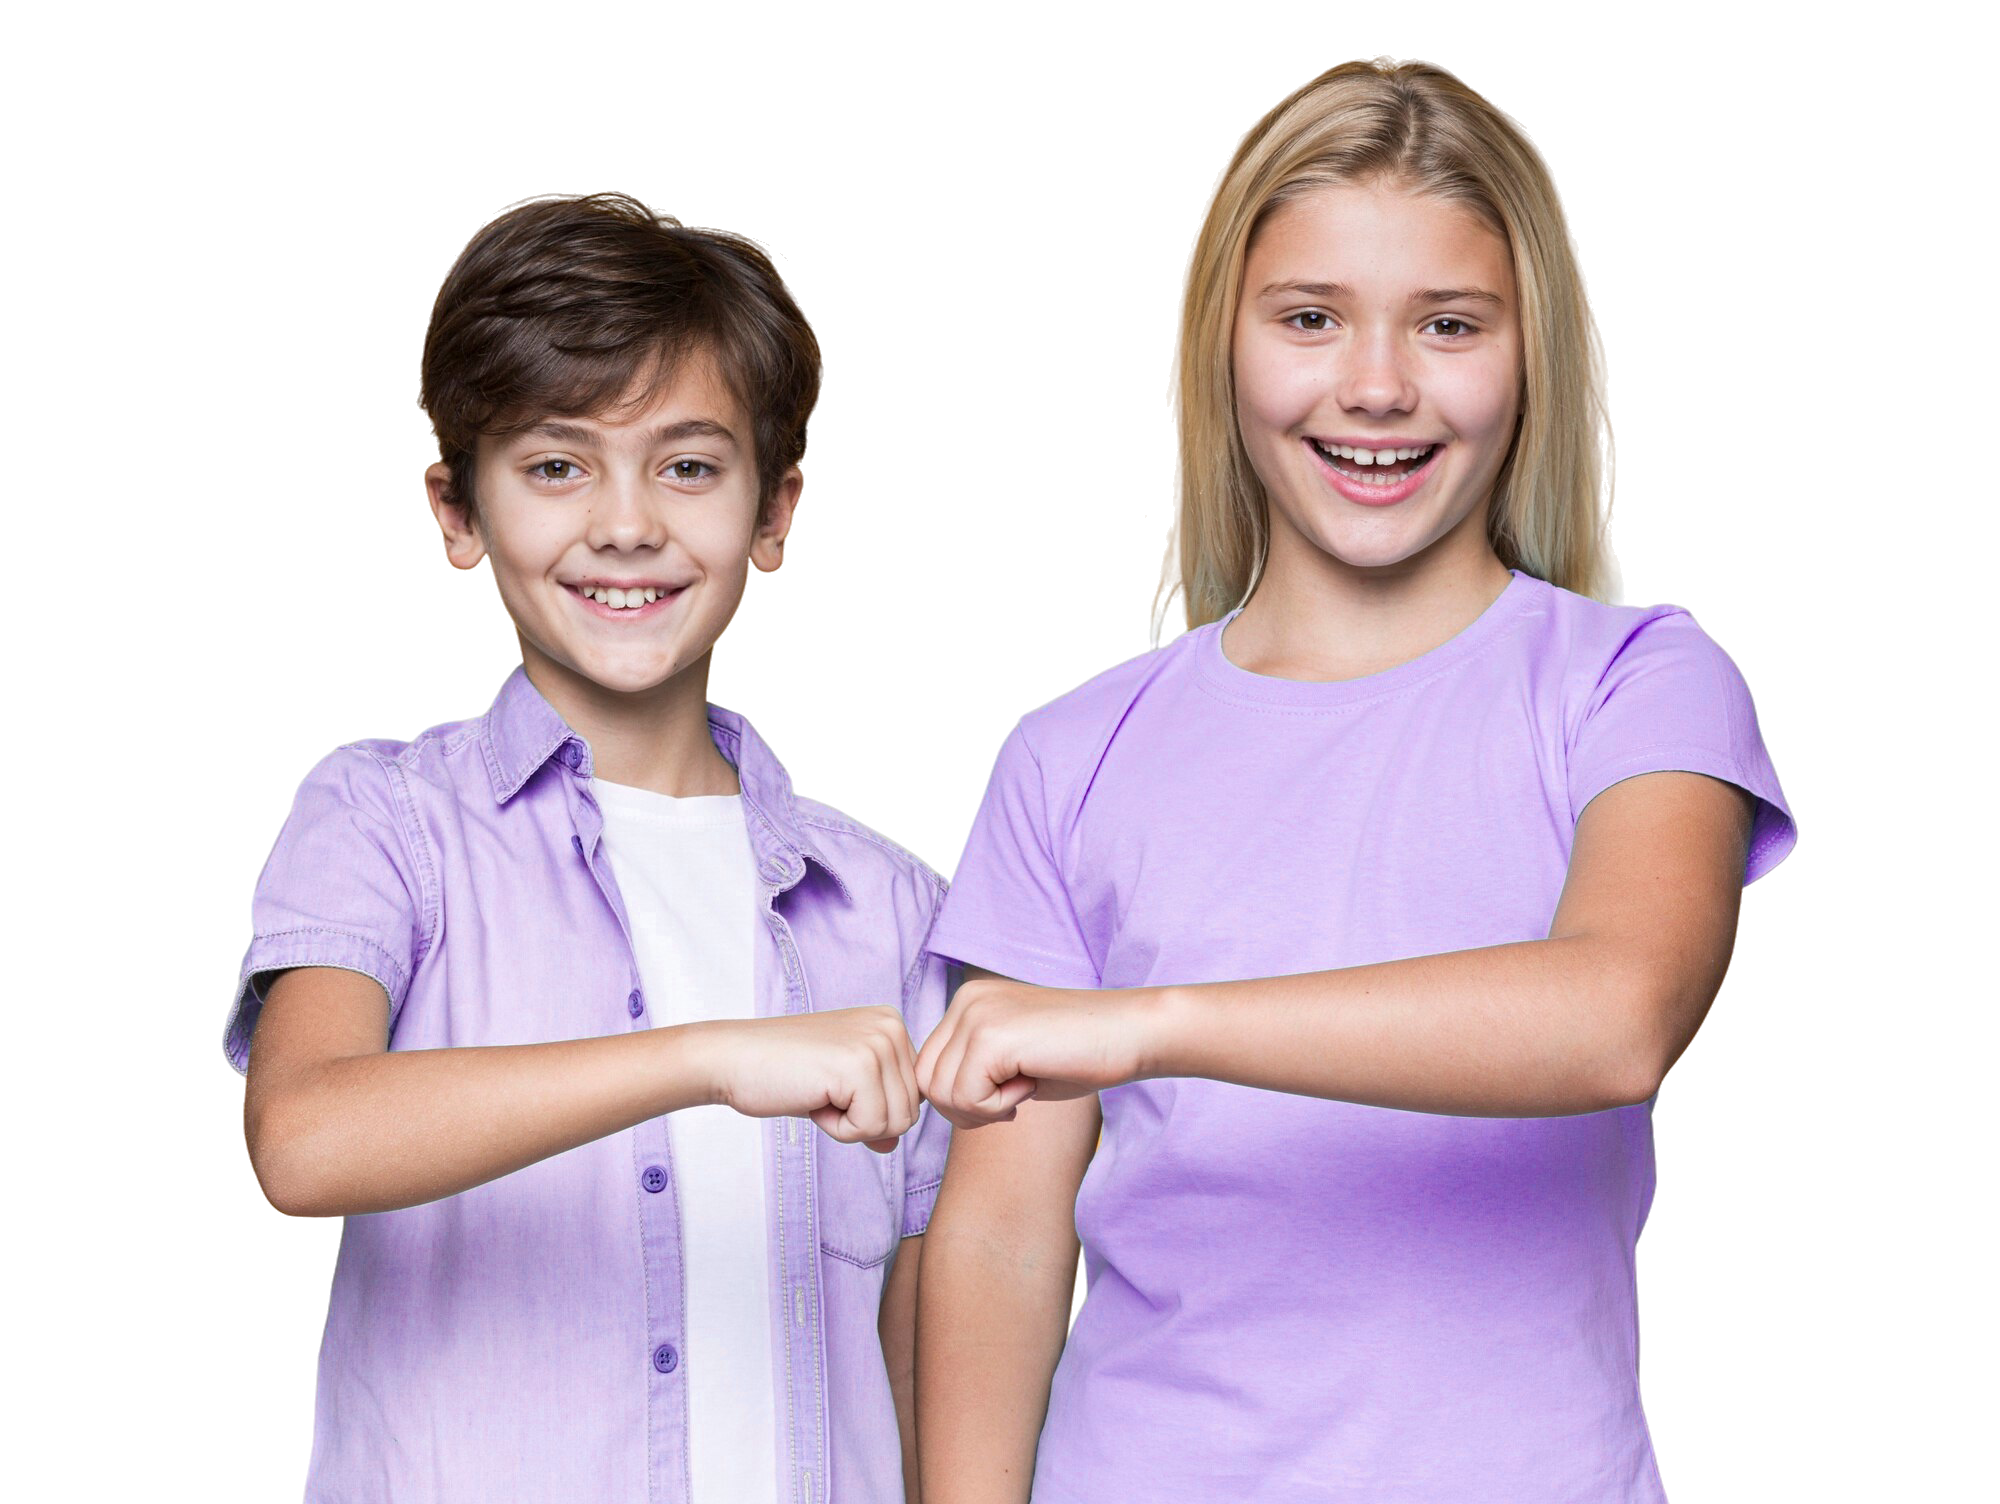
1374, 477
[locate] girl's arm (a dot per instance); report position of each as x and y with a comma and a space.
993, 1305
1588, 1019
897, 1327
337, 1123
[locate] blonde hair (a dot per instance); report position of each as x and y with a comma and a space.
1413, 124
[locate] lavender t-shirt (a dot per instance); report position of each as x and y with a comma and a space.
1294, 1298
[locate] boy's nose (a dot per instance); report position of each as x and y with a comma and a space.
623, 517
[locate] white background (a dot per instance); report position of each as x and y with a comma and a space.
226, 229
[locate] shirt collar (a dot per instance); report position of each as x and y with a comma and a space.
522, 731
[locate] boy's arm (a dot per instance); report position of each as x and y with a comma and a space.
1589, 1019
898, 1328
338, 1124
993, 1306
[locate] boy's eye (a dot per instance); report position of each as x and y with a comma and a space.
1311, 320
689, 469
554, 469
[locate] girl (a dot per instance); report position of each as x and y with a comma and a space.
1362, 1229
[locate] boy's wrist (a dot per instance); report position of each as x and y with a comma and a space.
704, 1055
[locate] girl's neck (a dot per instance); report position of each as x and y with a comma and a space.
1314, 617
658, 740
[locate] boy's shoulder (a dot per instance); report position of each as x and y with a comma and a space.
373, 767
854, 848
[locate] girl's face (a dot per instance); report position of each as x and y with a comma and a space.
1377, 354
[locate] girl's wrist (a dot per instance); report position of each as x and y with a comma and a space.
1167, 1020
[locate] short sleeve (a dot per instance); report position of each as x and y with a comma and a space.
339, 889
1671, 700
926, 994
1009, 908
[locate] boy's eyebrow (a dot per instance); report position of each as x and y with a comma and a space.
671, 433
1428, 295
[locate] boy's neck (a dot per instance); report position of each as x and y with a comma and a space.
658, 740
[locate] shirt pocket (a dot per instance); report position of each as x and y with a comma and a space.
857, 1202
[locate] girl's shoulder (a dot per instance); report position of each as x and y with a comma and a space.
1074, 727
1599, 641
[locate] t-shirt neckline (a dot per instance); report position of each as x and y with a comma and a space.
1246, 687
686, 811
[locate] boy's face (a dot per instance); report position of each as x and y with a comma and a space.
621, 545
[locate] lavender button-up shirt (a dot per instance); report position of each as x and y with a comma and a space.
524, 1340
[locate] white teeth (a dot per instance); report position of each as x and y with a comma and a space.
1376, 456
623, 600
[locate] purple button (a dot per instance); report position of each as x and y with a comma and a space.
635, 1004
655, 1179
665, 1358
577, 842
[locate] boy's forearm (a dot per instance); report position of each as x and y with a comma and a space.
396, 1128
993, 1314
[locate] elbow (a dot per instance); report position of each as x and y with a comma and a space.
1634, 1059
285, 1174
1633, 1079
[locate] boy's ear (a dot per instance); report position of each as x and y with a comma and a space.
462, 543
767, 548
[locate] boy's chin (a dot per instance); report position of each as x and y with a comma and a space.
633, 674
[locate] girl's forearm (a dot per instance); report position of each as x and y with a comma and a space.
1541, 1028
396, 1128
897, 1328
993, 1313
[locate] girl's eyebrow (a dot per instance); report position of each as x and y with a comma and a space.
1426, 296
1309, 289
1459, 295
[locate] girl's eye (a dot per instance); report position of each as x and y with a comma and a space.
690, 469
554, 469
1450, 328
1312, 321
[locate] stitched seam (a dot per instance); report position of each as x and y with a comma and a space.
854, 1258
822, 822
413, 837
393, 980
930, 928
1056, 856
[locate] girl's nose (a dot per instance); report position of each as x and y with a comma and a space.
1375, 377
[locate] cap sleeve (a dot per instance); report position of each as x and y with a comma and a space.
340, 889
1009, 908
1672, 700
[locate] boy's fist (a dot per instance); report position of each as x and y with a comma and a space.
853, 1071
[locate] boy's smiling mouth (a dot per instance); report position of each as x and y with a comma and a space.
625, 599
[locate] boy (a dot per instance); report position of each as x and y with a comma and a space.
547, 993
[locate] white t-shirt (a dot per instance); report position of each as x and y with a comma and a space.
689, 881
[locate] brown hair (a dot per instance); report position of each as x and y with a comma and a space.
1416, 125
563, 306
